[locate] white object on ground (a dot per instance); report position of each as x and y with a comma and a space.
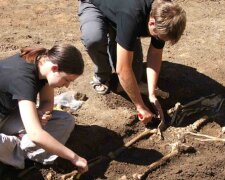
67, 99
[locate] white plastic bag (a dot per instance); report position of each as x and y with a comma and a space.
67, 99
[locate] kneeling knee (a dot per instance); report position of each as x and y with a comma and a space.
70, 122
94, 43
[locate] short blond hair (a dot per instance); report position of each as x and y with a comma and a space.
170, 19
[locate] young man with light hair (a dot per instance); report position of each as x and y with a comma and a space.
110, 27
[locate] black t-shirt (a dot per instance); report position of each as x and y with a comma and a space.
130, 18
18, 81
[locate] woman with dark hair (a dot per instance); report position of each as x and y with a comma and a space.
28, 131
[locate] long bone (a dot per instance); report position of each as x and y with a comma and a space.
146, 132
176, 149
111, 155
143, 134
205, 138
195, 126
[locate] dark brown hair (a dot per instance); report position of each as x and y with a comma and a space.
67, 57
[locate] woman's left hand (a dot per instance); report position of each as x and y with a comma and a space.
44, 117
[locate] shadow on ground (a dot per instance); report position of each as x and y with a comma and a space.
185, 84
94, 141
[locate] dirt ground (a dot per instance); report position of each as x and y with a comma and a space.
191, 69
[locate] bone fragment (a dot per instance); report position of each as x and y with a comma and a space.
197, 124
223, 130
72, 174
174, 109
124, 177
137, 176
49, 176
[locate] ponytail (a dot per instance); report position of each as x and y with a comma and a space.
31, 55
67, 57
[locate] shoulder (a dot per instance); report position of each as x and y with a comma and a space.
10, 60
15, 62
14, 67
24, 75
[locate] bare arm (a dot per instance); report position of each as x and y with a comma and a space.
46, 96
129, 83
154, 61
42, 138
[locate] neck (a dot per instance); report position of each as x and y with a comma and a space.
42, 71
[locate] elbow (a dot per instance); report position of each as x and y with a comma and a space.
124, 72
120, 74
119, 69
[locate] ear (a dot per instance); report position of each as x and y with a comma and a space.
151, 21
54, 68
